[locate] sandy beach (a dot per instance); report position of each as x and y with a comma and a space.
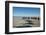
18, 21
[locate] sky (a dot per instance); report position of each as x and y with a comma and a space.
26, 11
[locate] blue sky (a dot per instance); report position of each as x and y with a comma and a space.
26, 11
